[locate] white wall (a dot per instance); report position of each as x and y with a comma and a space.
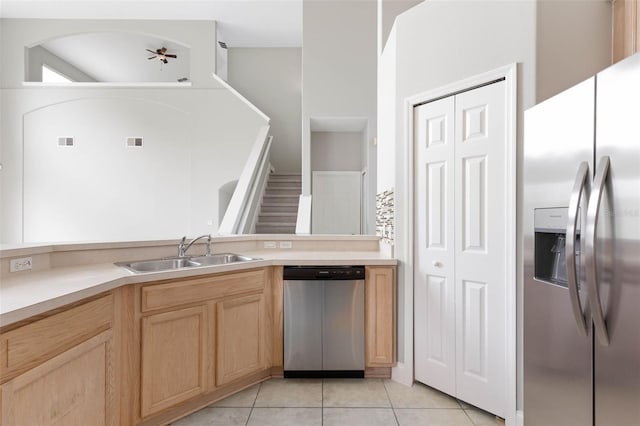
206, 144
100, 189
39, 56
214, 126
339, 75
441, 42
336, 151
222, 57
387, 108
271, 78
388, 10
17, 34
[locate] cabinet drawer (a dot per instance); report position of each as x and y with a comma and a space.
34, 343
177, 293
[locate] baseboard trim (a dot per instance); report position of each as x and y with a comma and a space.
377, 372
519, 418
402, 373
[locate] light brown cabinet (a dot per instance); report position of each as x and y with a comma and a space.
61, 369
626, 29
199, 338
380, 313
240, 348
174, 358
150, 353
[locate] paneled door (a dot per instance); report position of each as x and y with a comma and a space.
460, 222
434, 291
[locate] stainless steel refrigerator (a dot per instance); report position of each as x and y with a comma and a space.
581, 221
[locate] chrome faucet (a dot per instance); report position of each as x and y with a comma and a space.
183, 246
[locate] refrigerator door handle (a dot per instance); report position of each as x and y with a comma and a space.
590, 251
581, 185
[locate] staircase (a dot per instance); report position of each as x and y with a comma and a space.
279, 210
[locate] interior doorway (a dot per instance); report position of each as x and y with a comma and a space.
338, 160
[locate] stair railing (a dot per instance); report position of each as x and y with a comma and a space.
242, 212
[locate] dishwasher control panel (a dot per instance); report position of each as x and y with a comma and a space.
324, 272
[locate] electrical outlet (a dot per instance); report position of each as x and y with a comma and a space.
270, 244
21, 264
285, 244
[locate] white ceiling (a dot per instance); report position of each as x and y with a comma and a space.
242, 23
121, 57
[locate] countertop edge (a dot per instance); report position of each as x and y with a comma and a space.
98, 286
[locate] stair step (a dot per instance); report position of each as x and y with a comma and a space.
282, 217
284, 184
284, 175
278, 208
276, 204
275, 228
282, 191
287, 199
285, 178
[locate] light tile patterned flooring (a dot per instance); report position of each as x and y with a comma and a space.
339, 402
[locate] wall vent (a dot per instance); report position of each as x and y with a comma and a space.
134, 142
66, 141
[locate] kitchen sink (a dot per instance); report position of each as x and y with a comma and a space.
174, 263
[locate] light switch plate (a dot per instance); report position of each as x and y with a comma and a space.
285, 244
270, 244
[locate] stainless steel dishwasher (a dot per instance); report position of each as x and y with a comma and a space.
323, 321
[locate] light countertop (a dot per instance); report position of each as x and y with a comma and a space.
23, 295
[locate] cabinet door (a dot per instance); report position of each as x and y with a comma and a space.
240, 348
76, 387
174, 358
380, 325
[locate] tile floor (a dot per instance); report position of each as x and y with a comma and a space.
339, 402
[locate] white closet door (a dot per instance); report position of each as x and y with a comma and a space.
480, 218
460, 240
335, 204
434, 295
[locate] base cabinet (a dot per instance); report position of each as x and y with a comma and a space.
76, 387
151, 353
380, 313
240, 348
174, 358
61, 368
197, 338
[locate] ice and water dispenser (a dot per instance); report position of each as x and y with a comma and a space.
550, 238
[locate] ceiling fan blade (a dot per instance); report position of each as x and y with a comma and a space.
153, 57
149, 50
170, 56
165, 61
164, 49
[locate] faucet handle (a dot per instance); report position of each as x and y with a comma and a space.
181, 246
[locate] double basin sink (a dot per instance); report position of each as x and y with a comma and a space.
175, 263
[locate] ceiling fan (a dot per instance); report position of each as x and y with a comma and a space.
161, 54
